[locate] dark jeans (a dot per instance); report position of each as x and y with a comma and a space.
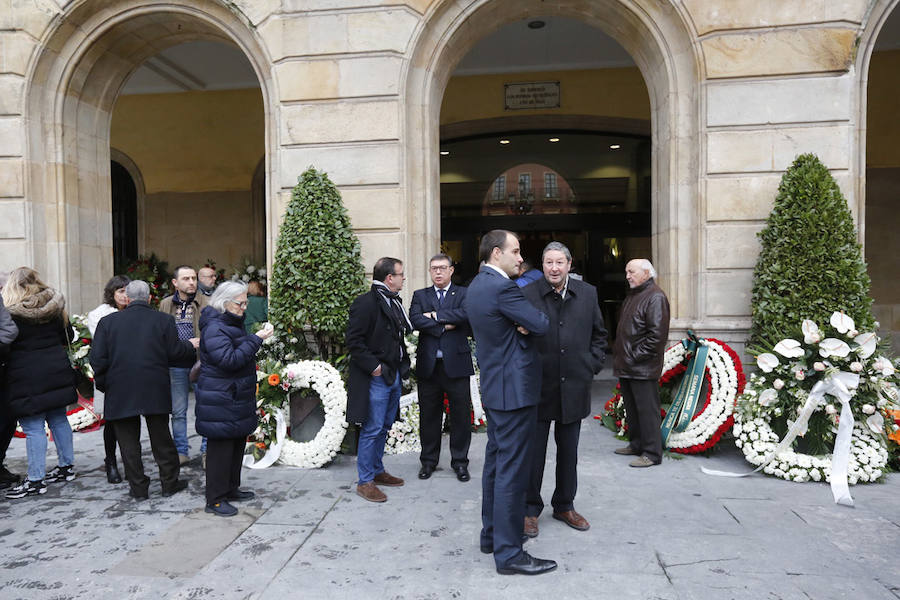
223, 468
431, 411
641, 398
566, 436
128, 432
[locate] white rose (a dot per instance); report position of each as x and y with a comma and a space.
245, 278
856, 366
830, 409
852, 333
250, 268
819, 366
799, 375
778, 384
868, 409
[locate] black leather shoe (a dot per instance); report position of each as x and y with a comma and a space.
462, 473
179, 485
112, 472
138, 495
527, 564
490, 549
241, 495
426, 471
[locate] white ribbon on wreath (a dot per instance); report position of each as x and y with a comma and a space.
841, 385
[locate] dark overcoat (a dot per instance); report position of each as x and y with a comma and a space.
226, 388
573, 350
372, 339
39, 376
131, 354
508, 360
453, 343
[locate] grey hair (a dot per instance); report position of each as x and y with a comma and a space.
226, 292
647, 266
558, 246
138, 290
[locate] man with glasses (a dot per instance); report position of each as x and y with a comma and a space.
443, 366
376, 327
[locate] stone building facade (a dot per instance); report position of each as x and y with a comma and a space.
736, 89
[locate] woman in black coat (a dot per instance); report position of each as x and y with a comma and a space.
226, 393
39, 381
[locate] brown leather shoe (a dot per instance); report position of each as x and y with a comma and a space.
370, 492
626, 451
642, 461
573, 520
531, 527
385, 478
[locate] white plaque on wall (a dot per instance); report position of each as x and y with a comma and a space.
537, 94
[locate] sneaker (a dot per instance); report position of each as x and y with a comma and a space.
221, 509
66, 473
642, 461
27, 488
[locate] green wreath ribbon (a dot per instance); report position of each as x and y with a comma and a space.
687, 397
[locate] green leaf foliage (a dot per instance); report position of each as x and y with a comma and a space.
810, 264
317, 271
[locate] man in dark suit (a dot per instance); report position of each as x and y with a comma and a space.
571, 353
378, 361
503, 323
131, 354
443, 365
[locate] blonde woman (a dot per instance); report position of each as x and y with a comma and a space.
39, 382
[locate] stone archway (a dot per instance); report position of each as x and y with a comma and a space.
72, 85
878, 176
658, 38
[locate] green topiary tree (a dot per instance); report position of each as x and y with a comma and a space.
811, 263
317, 271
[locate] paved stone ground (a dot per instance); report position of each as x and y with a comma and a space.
667, 532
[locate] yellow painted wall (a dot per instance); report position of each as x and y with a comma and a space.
600, 92
883, 126
192, 141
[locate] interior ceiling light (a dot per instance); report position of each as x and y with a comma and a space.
554, 140
504, 141
445, 152
615, 147
536, 24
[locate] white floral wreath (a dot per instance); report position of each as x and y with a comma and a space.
724, 389
327, 383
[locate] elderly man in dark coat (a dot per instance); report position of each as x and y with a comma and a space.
131, 354
573, 350
639, 350
378, 361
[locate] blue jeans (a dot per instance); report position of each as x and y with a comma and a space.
36, 441
181, 387
384, 402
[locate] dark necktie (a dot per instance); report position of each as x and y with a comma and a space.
441, 293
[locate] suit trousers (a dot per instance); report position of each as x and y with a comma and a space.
507, 462
566, 436
128, 432
223, 468
641, 398
431, 411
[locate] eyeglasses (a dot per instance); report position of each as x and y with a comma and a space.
439, 268
400, 274
240, 304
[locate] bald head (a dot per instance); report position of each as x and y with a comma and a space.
638, 271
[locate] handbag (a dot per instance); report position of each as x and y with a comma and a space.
195, 372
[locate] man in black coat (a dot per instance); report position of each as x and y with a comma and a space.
443, 365
573, 350
131, 354
376, 327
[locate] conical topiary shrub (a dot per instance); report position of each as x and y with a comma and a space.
811, 263
317, 271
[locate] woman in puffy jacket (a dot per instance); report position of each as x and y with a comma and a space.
226, 393
39, 382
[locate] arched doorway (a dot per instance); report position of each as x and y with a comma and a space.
73, 86
879, 221
657, 38
124, 217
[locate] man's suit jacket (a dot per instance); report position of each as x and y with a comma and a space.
372, 339
572, 352
509, 362
453, 343
131, 354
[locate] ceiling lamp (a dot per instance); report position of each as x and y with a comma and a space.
445, 152
553, 140
615, 147
504, 141
536, 24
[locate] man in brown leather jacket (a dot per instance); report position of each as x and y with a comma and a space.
638, 360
